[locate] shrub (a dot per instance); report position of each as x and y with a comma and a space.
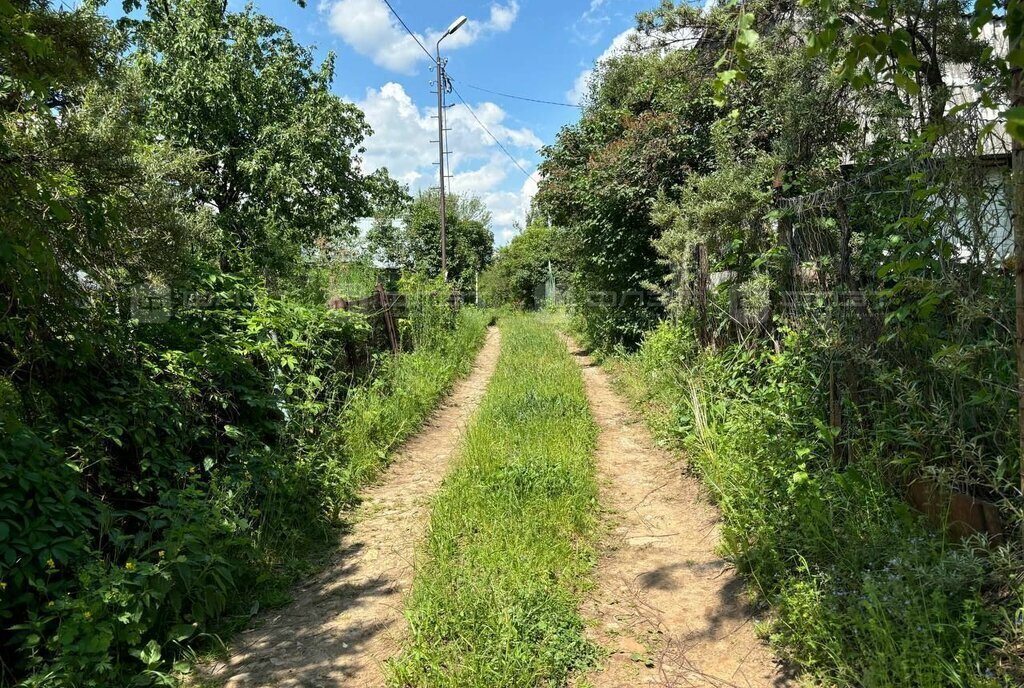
520, 269
161, 481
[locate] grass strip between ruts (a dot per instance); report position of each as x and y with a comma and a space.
511, 533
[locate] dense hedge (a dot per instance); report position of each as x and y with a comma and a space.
162, 481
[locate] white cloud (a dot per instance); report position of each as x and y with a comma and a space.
401, 142
370, 29
503, 16
591, 25
509, 208
401, 134
483, 179
467, 135
581, 87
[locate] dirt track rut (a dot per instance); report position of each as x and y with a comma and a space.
665, 604
345, 623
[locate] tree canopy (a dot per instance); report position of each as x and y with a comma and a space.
410, 237
520, 269
89, 198
645, 128
814, 199
279, 152
163, 370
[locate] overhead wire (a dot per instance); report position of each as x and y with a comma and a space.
408, 30
495, 138
456, 91
527, 99
468, 85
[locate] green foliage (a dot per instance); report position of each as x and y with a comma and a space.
410, 237
645, 128
873, 318
428, 310
334, 272
908, 44
88, 199
905, 233
496, 605
189, 471
521, 268
722, 211
178, 438
280, 152
173, 440
863, 593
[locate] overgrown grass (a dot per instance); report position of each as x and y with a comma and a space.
292, 542
862, 592
375, 419
378, 417
510, 534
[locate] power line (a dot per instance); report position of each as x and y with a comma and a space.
514, 97
478, 88
500, 145
408, 30
439, 86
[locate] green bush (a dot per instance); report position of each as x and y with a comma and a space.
161, 481
522, 267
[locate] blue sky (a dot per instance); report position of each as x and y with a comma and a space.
536, 48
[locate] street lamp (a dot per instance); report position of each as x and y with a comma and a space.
441, 85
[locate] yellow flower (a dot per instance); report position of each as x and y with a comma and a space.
50, 564
161, 554
50, 603
87, 615
130, 566
3, 585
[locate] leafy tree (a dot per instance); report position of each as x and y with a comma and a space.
89, 203
898, 369
139, 461
411, 239
782, 129
89, 200
279, 150
522, 266
644, 130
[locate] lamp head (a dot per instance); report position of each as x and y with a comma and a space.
456, 25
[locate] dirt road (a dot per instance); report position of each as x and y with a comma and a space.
345, 623
666, 605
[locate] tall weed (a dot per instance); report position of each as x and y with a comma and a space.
862, 591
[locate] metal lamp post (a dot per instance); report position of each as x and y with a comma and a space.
441, 85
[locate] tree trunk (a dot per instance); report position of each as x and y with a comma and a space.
1017, 100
